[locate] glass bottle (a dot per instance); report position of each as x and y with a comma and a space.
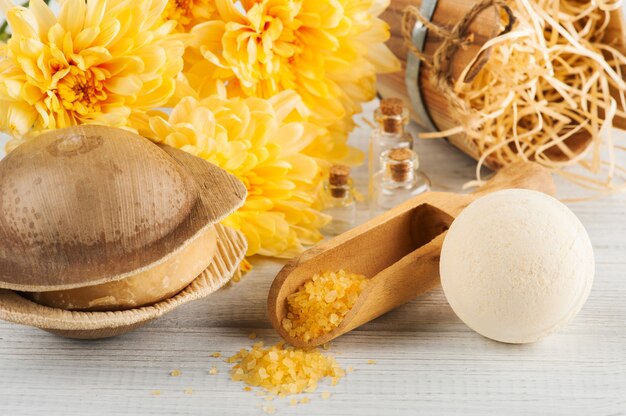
399, 179
392, 118
339, 202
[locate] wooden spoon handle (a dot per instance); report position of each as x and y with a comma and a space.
524, 175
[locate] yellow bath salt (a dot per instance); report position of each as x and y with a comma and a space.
320, 305
283, 370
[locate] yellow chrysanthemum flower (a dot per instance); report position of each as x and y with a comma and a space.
327, 51
188, 13
97, 62
260, 141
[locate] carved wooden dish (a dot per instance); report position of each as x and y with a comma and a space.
231, 248
99, 227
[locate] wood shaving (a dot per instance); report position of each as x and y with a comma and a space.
545, 94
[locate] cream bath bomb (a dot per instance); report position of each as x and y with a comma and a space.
516, 265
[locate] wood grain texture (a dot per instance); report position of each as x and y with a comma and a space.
428, 362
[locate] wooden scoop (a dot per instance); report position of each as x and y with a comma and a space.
398, 251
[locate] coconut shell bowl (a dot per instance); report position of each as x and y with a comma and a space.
102, 231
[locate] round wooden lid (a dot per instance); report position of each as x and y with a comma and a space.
91, 204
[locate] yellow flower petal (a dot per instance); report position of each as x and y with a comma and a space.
97, 62
278, 217
327, 51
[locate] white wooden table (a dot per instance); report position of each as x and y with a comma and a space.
427, 361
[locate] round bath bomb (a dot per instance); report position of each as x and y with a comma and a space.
516, 265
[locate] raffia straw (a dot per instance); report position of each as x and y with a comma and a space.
546, 81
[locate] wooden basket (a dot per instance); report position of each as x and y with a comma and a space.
433, 113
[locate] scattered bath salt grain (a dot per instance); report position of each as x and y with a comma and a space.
293, 401
216, 354
213, 371
325, 395
188, 391
156, 392
371, 361
282, 370
175, 373
247, 388
305, 400
349, 369
269, 409
252, 335
320, 305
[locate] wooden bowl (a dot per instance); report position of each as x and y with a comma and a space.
15, 308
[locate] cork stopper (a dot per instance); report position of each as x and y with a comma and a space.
402, 161
338, 178
392, 115
391, 106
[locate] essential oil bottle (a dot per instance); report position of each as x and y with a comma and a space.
392, 117
399, 179
339, 200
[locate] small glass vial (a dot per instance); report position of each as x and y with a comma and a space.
392, 117
399, 180
339, 201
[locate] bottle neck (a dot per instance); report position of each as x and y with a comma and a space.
339, 192
391, 123
392, 126
400, 165
398, 180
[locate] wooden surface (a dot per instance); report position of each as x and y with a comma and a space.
427, 361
